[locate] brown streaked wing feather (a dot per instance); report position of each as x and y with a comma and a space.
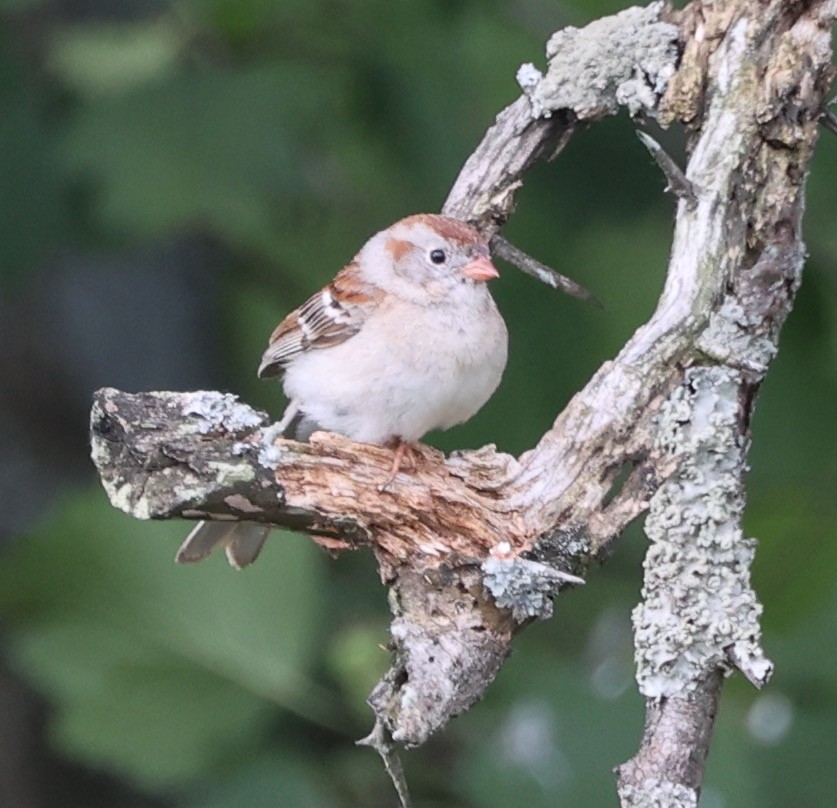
286, 341
328, 317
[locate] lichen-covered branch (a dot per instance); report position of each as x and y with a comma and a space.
699, 615
475, 545
757, 108
627, 61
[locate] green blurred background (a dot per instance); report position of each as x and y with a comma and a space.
174, 178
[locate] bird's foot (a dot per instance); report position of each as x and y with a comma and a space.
406, 454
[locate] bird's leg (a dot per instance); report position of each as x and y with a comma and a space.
403, 451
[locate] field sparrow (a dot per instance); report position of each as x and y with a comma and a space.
404, 340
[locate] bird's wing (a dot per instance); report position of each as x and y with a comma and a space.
329, 317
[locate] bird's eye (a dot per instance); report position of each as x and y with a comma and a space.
438, 256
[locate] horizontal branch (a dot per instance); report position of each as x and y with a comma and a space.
205, 455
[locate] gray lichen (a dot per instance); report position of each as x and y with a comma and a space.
270, 455
732, 333
529, 79
524, 587
697, 600
626, 59
219, 412
657, 794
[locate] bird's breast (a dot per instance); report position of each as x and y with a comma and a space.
407, 371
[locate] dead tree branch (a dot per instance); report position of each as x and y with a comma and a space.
765, 73
476, 544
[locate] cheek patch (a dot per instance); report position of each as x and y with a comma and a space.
397, 248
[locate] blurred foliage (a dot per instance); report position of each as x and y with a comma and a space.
154, 672
286, 133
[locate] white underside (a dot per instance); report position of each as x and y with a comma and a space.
407, 372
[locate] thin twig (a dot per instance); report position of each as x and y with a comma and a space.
678, 184
563, 139
381, 741
829, 120
531, 266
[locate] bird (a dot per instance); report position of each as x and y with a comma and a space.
406, 339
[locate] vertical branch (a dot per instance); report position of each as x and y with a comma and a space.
688, 720
769, 70
698, 604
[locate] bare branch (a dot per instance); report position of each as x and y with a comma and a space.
379, 740
542, 272
829, 121
677, 182
668, 769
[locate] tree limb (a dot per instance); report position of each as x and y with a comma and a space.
474, 545
700, 616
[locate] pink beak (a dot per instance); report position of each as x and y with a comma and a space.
480, 269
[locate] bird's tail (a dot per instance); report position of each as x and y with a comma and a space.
242, 541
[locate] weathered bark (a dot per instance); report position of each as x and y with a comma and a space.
475, 545
752, 82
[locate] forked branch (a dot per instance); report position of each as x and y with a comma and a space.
475, 545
